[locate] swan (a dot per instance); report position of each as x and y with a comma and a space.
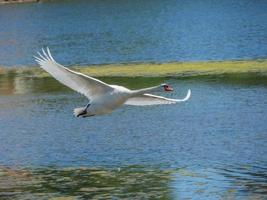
103, 98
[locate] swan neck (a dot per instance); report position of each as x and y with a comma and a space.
145, 90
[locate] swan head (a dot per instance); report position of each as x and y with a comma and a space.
166, 87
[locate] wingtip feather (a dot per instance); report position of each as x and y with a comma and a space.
44, 56
49, 54
188, 95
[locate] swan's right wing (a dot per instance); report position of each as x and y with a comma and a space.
149, 99
86, 85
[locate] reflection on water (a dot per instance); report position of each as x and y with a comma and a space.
249, 179
137, 182
76, 183
14, 83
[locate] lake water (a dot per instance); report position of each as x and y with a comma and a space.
213, 146
85, 32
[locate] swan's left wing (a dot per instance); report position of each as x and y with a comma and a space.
149, 99
86, 85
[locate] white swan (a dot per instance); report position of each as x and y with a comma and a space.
103, 98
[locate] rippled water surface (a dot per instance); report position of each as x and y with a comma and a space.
111, 31
211, 147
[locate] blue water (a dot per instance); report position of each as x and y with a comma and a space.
121, 31
211, 147
221, 123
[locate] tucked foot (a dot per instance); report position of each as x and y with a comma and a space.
82, 113
79, 111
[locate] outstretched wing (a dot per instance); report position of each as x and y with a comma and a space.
149, 99
86, 85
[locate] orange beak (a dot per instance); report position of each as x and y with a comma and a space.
168, 88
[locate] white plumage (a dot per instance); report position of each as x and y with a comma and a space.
103, 98
149, 99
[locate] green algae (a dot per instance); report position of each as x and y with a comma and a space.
178, 69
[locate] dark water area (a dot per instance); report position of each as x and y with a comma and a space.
85, 32
212, 147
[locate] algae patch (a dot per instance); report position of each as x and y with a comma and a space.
179, 69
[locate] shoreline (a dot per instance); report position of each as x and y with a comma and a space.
177, 69
18, 1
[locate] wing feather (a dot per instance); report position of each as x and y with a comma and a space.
86, 85
149, 99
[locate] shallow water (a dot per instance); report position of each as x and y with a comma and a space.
85, 32
135, 182
211, 147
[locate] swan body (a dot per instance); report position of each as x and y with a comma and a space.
103, 98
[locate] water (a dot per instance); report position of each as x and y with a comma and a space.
211, 147
110, 31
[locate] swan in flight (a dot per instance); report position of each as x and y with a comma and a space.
103, 98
